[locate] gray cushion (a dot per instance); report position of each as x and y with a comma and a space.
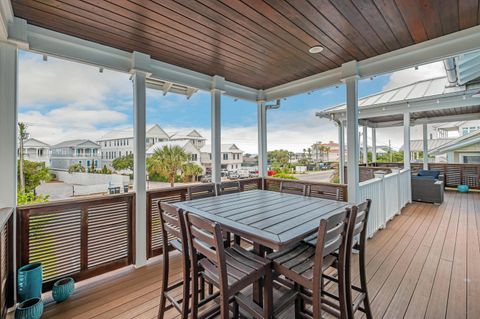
432, 173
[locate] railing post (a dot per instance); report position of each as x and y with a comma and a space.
262, 138
84, 239
406, 140
425, 146
374, 145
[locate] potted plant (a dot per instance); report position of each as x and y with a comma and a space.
62, 289
30, 281
29, 309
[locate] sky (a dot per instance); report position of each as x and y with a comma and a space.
61, 100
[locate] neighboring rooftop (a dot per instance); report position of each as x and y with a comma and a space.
458, 143
153, 129
76, 143
417, 145
32, 142
226, 148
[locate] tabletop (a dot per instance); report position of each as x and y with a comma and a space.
271, 219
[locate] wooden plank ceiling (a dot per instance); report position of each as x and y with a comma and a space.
251, 42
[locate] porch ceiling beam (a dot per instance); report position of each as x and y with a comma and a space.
426, 120
426, 52
72, 48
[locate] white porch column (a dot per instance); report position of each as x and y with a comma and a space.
374, 145
341, 150
406, 140
217, 88
140, 63
350, 74
425, 146
8, 124
262, 138
365, 145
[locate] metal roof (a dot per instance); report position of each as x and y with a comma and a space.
76, 143
417, 145
458, 143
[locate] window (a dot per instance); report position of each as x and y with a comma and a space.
88, 164
96, 163
193, 157
225, 156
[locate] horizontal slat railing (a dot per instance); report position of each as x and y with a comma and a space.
80, 238
273, 184
455, 174
176, 194
7, 268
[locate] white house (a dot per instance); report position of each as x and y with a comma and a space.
464, 149
36, 151
193, 136
68, 153
186, 145
118, 143
232, 157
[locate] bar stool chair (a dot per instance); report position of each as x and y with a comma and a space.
229, 269
173, 231
304, 264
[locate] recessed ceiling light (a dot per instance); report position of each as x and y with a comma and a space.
315, 49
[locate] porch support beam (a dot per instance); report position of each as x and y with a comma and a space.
217, 87
406, 140
8, 124
425, 146
351, 77
365, 145
140, 73
341, 150
374, 145
262, 138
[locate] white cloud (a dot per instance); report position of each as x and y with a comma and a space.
56, 81
408, 76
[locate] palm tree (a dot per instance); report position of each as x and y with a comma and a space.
22, 136
167, 161
191, 171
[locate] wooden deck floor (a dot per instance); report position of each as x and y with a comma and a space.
425, 264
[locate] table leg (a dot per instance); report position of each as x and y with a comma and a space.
257, 286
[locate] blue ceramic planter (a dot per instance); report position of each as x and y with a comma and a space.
30, 281
462, 188
29, 309
62, 289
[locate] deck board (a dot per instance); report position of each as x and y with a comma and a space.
424, 264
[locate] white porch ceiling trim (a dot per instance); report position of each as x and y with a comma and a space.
431, 120
426, 52
72, 48
60, 45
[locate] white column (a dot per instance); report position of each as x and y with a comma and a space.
216, 132
406, 140
262, 138
374, 145
425, 146
341, 150
352, 138
8, 124
365, 144
139, 167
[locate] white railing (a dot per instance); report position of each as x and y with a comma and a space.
389, 194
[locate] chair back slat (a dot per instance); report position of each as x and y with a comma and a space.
201, 191
324, 191
358, 220
228, 188
293, 188
172, 223
206, 238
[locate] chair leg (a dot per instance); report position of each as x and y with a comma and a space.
237, 240
186, 290
164, 288
202, 288
316, 304
298, 302
194, 297
363, 284
236, 311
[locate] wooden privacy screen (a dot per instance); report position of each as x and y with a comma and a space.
6, 261
329, 190
455, 174
154, 236
78, 238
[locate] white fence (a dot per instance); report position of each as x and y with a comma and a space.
389, 194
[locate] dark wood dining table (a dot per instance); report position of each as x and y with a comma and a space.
270, 219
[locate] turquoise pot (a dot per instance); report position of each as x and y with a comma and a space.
29, 309
30, 281
62, 289
462, 188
